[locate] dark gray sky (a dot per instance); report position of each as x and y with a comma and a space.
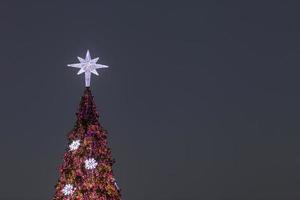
201, 99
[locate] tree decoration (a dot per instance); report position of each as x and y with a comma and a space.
87, 144
116, 185
68, 189
90, 163
88, 66
74, 145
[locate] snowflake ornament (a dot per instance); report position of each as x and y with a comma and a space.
74, 145
68, 189
90, 163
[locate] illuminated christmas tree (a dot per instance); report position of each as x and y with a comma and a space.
86, 173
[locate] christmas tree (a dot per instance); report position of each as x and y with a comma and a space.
86, 173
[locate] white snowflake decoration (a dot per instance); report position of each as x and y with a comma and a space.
74, 145
90, 163
68, 189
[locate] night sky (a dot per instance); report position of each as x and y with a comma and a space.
201, 100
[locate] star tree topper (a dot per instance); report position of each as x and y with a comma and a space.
88, 66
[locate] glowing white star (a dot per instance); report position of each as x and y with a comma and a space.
68, 189
74, 145
90, 163
88, 66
